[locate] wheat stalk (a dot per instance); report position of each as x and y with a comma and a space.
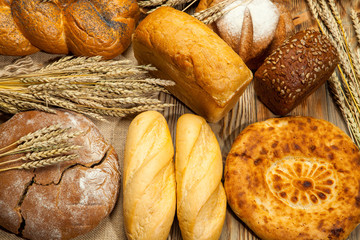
75, 83
36, 156
356, 24
215, 12
42, 163
345, 88
43, 147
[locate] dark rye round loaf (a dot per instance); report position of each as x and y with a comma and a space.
64, 200
295, 70
294, 178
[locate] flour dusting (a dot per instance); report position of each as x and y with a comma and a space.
264, 14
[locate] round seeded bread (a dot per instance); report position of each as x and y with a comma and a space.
294, 178
64, 200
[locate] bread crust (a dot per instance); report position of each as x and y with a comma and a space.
83, 27
240, 28
64, 200
149, 188
12, 41
294, 178
295, 70
209, 75
201, 200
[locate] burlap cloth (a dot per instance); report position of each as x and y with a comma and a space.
115, 132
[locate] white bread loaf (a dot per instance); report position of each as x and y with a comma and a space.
149, 178
201, 200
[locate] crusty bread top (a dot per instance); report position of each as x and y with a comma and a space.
295, 178
64, 200
149, 187
83, 27
201, 200
296, 69
191, 47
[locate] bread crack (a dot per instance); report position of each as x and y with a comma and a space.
106, 153
18, 205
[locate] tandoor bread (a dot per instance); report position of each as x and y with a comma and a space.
209, 75
64, 200
201, 200
294, 178
82, 27
149, 188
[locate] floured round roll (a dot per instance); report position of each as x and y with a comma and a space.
64, 200
294, 178
252, 28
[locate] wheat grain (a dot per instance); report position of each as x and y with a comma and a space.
42, 163
126, 100
356, 24
151, 3
71, 82
346, 88
23, 105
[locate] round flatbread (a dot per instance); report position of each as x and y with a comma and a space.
294, 178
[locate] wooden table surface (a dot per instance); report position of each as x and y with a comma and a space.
250, 110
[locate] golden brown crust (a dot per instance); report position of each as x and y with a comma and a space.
12, 41
209, 75
201, 200
295, 70
83, 27
149, 187
295, 178
64, 200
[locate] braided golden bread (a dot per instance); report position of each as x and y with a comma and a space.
83, 27
149, 178
201, 201
295, 178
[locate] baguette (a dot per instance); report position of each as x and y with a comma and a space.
209, 75
149, 179
201, 200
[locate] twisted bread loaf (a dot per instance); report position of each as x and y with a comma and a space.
83, 27
149, 178
201, 201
